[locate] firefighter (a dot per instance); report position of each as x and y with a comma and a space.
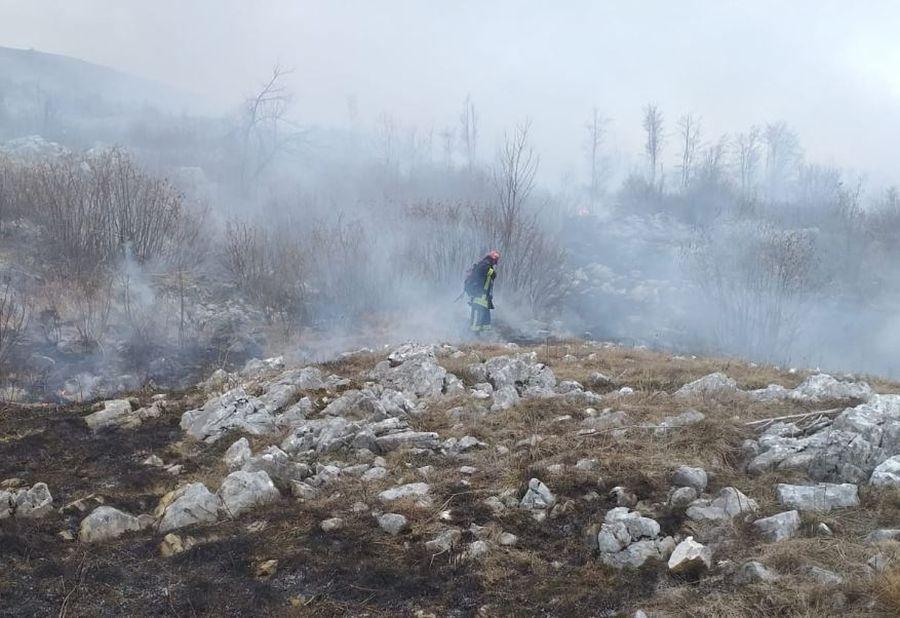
479, 287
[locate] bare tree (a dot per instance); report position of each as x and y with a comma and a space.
468, 122
513, 178
596, 135
262, 137
387, 139
447, 139
747, 154
13, 320
689, 135
782, 153
653, 127
712, 166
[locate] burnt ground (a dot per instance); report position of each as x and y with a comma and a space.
358, 570
361, 571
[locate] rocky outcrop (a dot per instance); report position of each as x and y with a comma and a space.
32, 503
820, 498
848, 450
628, 539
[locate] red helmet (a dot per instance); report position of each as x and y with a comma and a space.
494, 256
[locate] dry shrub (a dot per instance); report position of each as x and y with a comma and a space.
14, 314
269, 267
94, 210
889, 590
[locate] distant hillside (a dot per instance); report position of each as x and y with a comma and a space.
70, 100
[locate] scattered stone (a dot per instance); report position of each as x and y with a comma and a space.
682, 497
32, 503
598, 379
820, 498
887, 473
242, 491
468, 470
753, 572
605, 420
237, 454
477, 550
303, 491
623, 497
265, 570
628, 539
105, 523
824, 577
823, 530
173, 544
115, 413
690, 557
685, 419
885, 534
332, 525
392, 523
154, 461
444, 542
879, 563
186, 506
374, 474
779, 527
686, 476
505, 398
418, 491
711, 385
729, 503
538, 496
588, 465
508, 539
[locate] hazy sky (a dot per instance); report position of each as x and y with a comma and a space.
831, 69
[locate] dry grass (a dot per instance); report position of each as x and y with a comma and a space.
360, 570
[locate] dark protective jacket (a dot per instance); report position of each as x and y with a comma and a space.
481, 291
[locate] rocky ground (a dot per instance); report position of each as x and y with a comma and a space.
573, 479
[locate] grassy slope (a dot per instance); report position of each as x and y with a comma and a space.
361, 571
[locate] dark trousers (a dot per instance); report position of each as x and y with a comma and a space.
481, 318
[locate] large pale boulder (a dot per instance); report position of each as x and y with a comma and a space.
779, 527
820, 498
115, 412
690, 556
887, 473
686, 476
242, 491
710, 385
105, 523
237, 454
186, 506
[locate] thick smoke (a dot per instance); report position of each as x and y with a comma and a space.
151, 240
